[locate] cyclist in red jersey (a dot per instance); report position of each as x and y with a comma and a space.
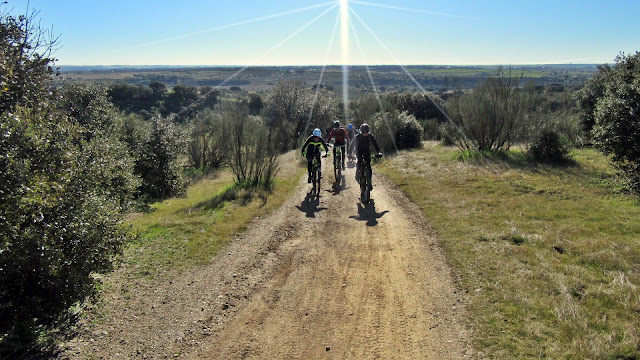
341, 138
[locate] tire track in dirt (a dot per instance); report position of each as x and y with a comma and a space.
381, 288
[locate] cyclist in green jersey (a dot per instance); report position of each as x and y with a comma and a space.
311, 149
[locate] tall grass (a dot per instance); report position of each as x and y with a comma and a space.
549, 255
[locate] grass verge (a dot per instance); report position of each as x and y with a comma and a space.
184, 232
549, 255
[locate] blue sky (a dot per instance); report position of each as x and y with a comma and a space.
293, 32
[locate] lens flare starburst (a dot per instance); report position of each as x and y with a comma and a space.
344, 32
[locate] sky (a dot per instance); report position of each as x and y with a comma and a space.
336, 32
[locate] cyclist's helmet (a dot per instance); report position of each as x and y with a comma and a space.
317, 132
336, 124
350, 127
364, 128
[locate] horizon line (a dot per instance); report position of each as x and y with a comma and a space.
326, 65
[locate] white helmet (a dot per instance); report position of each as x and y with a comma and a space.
317, 132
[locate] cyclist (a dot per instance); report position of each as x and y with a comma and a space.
341, 138
361, 145
352, 135
311, 149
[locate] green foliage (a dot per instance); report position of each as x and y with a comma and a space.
419, 104
617, 116
548, 147
135, 98
409, 135
255, 104
492, 116
395, 131
431, 129
158, 164
63, 185
588, 96
448, 134
25, 62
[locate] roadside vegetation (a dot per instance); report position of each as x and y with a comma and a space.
548, 254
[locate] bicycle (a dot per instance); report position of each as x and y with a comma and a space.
364, 176
316, 175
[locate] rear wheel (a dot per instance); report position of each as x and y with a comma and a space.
337, 165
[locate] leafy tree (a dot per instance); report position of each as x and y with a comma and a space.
397, 130
25, 62
158, 164
617, 116
60, 209
179, 101
134, 98
588, 97
255, 104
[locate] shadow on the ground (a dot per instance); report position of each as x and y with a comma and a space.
310, 204
368, 213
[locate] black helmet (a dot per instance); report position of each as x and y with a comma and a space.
364, 128
336, 124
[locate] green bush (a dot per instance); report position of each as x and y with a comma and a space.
448, 134
431, 129
396, 131
548, 147
158, 164
409, 135
617, 117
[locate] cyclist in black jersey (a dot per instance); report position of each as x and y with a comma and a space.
361, 146
311, 149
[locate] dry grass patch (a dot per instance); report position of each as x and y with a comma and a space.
550, 255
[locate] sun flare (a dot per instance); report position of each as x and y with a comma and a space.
344, 32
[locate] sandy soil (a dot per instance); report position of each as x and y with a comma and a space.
325, 278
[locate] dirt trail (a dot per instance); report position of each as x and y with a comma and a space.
320, 278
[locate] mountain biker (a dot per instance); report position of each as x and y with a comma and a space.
361, 145
311, 149
352, 135
341, 139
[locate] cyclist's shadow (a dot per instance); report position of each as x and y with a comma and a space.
368, 213
310, 204
339, 186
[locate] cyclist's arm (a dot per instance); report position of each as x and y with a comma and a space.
330, 136
306, 144
326, 148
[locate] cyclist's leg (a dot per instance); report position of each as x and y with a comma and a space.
309, 168
358, 165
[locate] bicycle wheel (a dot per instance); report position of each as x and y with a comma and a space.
317, 180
